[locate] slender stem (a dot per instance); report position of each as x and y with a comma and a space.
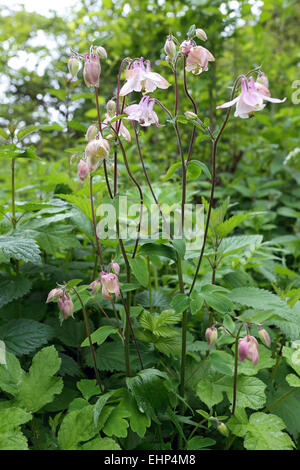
94, 222
105, 314
195, 111
13, 219
131, 330
149, 283
236, 355
86, 321
118, 124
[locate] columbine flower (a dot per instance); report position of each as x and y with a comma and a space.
111, 107
66, 305
114, 267
96, 150
91, 132
143, 112
140, 78
250, 99
110, 285
264, 337
170, 48
95, 286
186, 46
211, 335
53, 294
101, 52
201, 34
73, 66
82, 170
197, 60
248, 349
92, 70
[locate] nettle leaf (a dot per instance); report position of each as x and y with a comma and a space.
231, 244
140, 270
264, 432
18, 247
23, 336
79, 201
56, 236
13, 288
230, 224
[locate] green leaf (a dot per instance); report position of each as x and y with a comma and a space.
79, 201
23, 336
55, 237
264, 432
219, 302
4, 134
100, 335
293, 380
238, 423
180, 246
226, 227
139, 422
100, 443
200, 443
158, 250
116, 424
180, 302
77, 427
18, 247
202, 166
13, 288
88, 388
140, 270
171, 171
99, 405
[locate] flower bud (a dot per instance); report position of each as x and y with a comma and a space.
201, 34
53, 294
190, 115
264, 337
95, 151
66, 305
211, 335
82, 170
114, 267
73, 66
95, 286
223, 429
101, 52
170, 48
248, 349
91, 132
263, 79
92, 70
111, 108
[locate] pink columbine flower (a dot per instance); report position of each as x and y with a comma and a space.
96, 151
53, 294
114, 267
82, 170
110, 107
197, 60
186, 46
143, 112
140, 78
250, 99
92, 70
110, 285
66, 306
248, 349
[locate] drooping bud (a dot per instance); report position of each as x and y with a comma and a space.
91, 132
111, 108
248, 349
170, 48
263, 79
264, 337
82, 170
190, 115
95, 286
96, 151
211, 335
223, 429
66, 306
53, 294
92, 70
186, 46
73, 66
110, 285
201, 34
114, 267
101, 52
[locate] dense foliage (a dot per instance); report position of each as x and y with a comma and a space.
181, 348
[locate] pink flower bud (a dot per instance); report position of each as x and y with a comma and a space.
66, 305
248, 349
111, 108
263, 79
95, 286
83, 170
110, 285
91, 132
114, 267
96, 151
201, 34
223, 429
264, 337
186, 46
211, 335
53, 294
73, 66
92, 70
170, 48
101, 52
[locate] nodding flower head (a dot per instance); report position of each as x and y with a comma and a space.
114, 267
140, 78
66, 305
118, 126
186, 46
248, 349
143, 112
250, 99
170, 48
262, 79
101, 52
92, 70
110, 285
96, 151
54, 293
95, 286
211, 335
264, 337
201, 34
91, 132
82, 170
111, 108
73, 66
197, 60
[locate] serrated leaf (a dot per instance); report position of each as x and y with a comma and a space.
88, 388
226, 227
18, 247
100, 335
264, 432
140, 270
13, 288
77, 427
23, 336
